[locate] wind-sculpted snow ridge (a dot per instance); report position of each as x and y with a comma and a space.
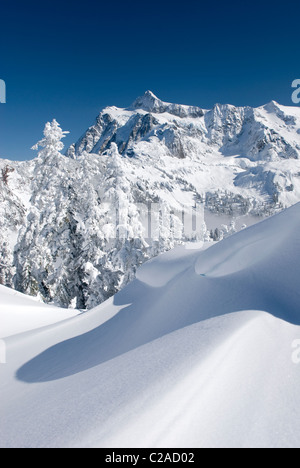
200, 350
151, 161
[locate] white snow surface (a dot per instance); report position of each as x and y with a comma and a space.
195, 352
21, 313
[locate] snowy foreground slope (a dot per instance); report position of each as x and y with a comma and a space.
197, 351
20, 313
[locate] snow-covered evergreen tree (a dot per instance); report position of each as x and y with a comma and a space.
51, 143
46, 247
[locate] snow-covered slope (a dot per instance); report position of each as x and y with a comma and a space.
20, 313
58, 213
197, 351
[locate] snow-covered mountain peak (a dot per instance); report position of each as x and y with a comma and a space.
151, 103
148, 102
274, 107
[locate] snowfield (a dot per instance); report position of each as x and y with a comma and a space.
195, 352
20, 313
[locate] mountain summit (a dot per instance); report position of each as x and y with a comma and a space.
148, 102
151, 103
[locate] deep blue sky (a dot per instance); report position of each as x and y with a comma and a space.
66, 60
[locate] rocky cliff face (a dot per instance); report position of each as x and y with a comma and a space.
74, 228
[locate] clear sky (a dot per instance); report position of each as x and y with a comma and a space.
68, 59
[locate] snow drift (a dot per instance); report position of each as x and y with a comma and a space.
195, 352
